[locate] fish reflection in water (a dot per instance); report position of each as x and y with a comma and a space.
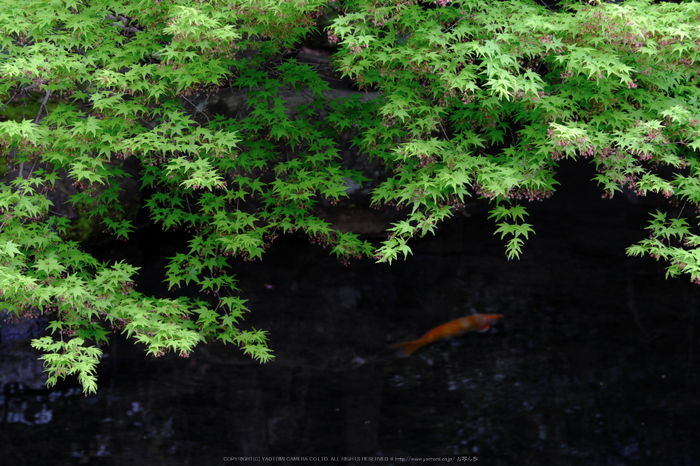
477, 322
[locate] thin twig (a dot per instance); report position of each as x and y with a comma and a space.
9, 101
548, 7
681, 212
113, 317
666, 143
447, 138
43, 105
196, 109
455, 24
531, 176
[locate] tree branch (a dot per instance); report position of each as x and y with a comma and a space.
125, 23
43, 105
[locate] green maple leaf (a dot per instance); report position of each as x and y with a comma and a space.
11, 249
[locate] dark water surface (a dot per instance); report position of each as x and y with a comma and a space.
594, 362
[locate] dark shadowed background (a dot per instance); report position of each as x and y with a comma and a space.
593, 363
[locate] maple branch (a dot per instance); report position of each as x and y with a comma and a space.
125, 23
43, 105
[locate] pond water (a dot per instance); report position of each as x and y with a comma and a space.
593, 363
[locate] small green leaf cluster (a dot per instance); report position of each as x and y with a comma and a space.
506, 214
70, 358
671, 240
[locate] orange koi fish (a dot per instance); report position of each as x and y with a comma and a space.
478, 322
